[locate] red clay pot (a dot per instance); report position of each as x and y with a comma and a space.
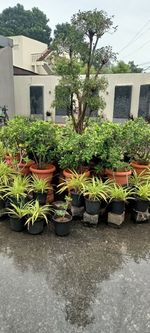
139, 167
120, 177
46, 173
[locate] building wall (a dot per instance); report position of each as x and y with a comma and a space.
6, 77
23, 49
22, 87
22, 93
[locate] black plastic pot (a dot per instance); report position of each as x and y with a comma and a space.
62, 228
41, 197
140, 205
17, 224
92, 206
77, 199
117, 206
37, 227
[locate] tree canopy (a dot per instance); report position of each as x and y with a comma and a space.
122, 67
30, 23
79, 39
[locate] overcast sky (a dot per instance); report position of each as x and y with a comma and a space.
132, 39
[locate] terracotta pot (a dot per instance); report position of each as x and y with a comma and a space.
24, 168
46, 173
67, 173
139, 167
120, 177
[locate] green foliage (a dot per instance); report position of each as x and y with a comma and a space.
42, 142
95, 189
39, 185
74, 150
19, 188
17, 211
62, 210
136, 136
122, 67
32, 23
6, 174
80, 39
139, 179
120, 193
15, 135
75, 182
35, 212
142, 191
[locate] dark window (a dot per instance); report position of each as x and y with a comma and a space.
63, 95
144, 101
122, 102
36, 101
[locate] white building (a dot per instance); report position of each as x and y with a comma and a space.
34, 89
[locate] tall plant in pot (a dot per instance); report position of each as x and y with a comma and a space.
74, 151
116, 168
94, 192
137, 136
42, 145
15, 138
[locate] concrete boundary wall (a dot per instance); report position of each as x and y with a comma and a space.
22, 88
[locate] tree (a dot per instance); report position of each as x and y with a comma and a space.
79, 40
122, 67
134, 68
30, 23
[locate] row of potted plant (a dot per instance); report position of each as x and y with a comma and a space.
94, 191
24, 198
105, 148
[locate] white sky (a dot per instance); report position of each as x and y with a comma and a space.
131, 16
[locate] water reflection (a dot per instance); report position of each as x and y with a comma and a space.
76, 268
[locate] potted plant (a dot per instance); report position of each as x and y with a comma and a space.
137, 137
94, 191
15, 137
142, 197
62, 219
74, 185
40, 188
118, 196
74, 152
117, 170
42, 145
36, 216
18, 190
17, 213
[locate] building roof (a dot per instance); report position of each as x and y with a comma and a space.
22, 71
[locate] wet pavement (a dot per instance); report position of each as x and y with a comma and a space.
93, 281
